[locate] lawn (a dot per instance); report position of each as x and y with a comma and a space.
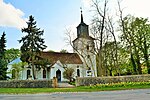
98, 87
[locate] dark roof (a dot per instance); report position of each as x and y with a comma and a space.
65, 58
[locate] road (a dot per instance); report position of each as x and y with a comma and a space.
141, 94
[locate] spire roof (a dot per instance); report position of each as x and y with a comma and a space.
82, 28
81, 16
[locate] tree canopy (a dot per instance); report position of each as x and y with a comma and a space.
12, 54
33, 43
3, 64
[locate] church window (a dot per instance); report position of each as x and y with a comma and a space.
44, 73
87, 47
78, 72
28, 74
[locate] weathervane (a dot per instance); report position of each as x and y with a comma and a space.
81, 9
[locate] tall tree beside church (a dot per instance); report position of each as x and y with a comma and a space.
136, 37
3, 67
33, 43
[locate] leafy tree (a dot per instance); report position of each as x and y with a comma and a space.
64, 51
109, 61
3, 64
136, 38
51, 51
16, 68
33, 43
68, 73
12, 54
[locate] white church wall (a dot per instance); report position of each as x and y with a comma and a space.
88, 57
75, 67
55, 67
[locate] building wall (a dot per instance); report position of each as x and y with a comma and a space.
85, 47
52, 72
59, 66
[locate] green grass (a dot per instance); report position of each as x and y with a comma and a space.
98, 87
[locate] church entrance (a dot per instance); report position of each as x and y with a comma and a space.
58, 75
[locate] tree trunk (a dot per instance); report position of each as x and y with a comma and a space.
146, 55
133, 64
138, 64
33, 68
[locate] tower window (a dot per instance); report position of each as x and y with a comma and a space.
88, 56
87, 47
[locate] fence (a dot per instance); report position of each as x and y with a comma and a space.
26, 84
86, 81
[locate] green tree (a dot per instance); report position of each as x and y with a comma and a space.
33, 43
68, 74
16, 69
64, 51
135, 35
12, 54
3, 64
109, 59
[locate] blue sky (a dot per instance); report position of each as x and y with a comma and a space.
51, 15
54, 16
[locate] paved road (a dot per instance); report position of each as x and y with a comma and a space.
143, 94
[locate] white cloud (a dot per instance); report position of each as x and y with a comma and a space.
11, 16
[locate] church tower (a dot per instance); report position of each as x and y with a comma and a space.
84, 46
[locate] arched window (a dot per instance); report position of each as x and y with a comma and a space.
28, 74
78, 72
44, 73
58, 75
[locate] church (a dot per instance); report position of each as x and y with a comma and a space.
82, 60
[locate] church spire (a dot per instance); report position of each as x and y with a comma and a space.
82, 28
81, 15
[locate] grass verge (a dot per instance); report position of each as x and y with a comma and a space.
98, 87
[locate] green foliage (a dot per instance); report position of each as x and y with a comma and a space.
109, 59
51, 51
64, 51
3, 64
68, 74
12, 54
136, 36
17, 68
122, 84
33, 43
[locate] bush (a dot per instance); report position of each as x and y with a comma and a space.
68, 73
